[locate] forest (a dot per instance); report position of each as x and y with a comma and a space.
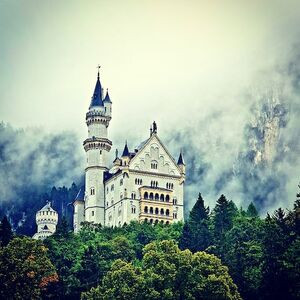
221, 253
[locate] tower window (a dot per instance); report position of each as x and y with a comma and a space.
133, 209
92, 191
121, 181
93, 213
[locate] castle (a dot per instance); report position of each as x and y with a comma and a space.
144, 185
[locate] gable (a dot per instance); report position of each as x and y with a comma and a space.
154, 157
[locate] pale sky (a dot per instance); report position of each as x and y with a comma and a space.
165, 60
188, 65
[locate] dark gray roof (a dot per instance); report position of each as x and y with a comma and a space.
180, 160
107, 98
141, 145
80, 194
125, 151
97, 96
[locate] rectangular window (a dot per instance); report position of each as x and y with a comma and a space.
93, 213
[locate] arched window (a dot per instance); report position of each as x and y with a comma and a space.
167, 223
151, 210
156, 196
167, 198
146, 220
151, 221
154, 164
167, 212
162, 212
92, 191
156, 211
145, 195
156, 221
162, 197
146, 209
121, 181
151, 196
175, 215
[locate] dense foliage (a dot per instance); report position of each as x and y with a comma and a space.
223, 253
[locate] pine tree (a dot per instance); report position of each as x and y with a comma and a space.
224, 212
196, 235
6, 233
252, 211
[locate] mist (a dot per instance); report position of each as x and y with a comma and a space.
221, 80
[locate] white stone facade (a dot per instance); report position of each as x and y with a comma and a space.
145, 185
46, 220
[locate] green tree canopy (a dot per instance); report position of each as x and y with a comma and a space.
25, 270
166, 272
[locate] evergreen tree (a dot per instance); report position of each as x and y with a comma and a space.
6, 233
196, 235
224, 212
252, 211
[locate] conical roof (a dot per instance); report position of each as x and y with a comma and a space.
180, 160
125, 151
107, 98
97, 96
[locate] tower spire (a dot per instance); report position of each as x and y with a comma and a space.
97, 99
180, 159
107, 98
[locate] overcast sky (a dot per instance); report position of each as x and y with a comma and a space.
186, 64
166, 60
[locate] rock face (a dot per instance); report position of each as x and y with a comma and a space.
269, 115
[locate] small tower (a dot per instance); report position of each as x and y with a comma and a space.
181, 163
97, 147
78, 204
46, 220
125, 155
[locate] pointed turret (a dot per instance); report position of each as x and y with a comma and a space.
181, 163
107, 98
180, 160
97, 96
125, 151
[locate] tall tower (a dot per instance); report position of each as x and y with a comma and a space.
97, 146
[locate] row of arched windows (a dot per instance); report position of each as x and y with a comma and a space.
157, 197
151, 221
156, 211
47, 213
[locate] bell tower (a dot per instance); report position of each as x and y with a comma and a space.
97, 147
